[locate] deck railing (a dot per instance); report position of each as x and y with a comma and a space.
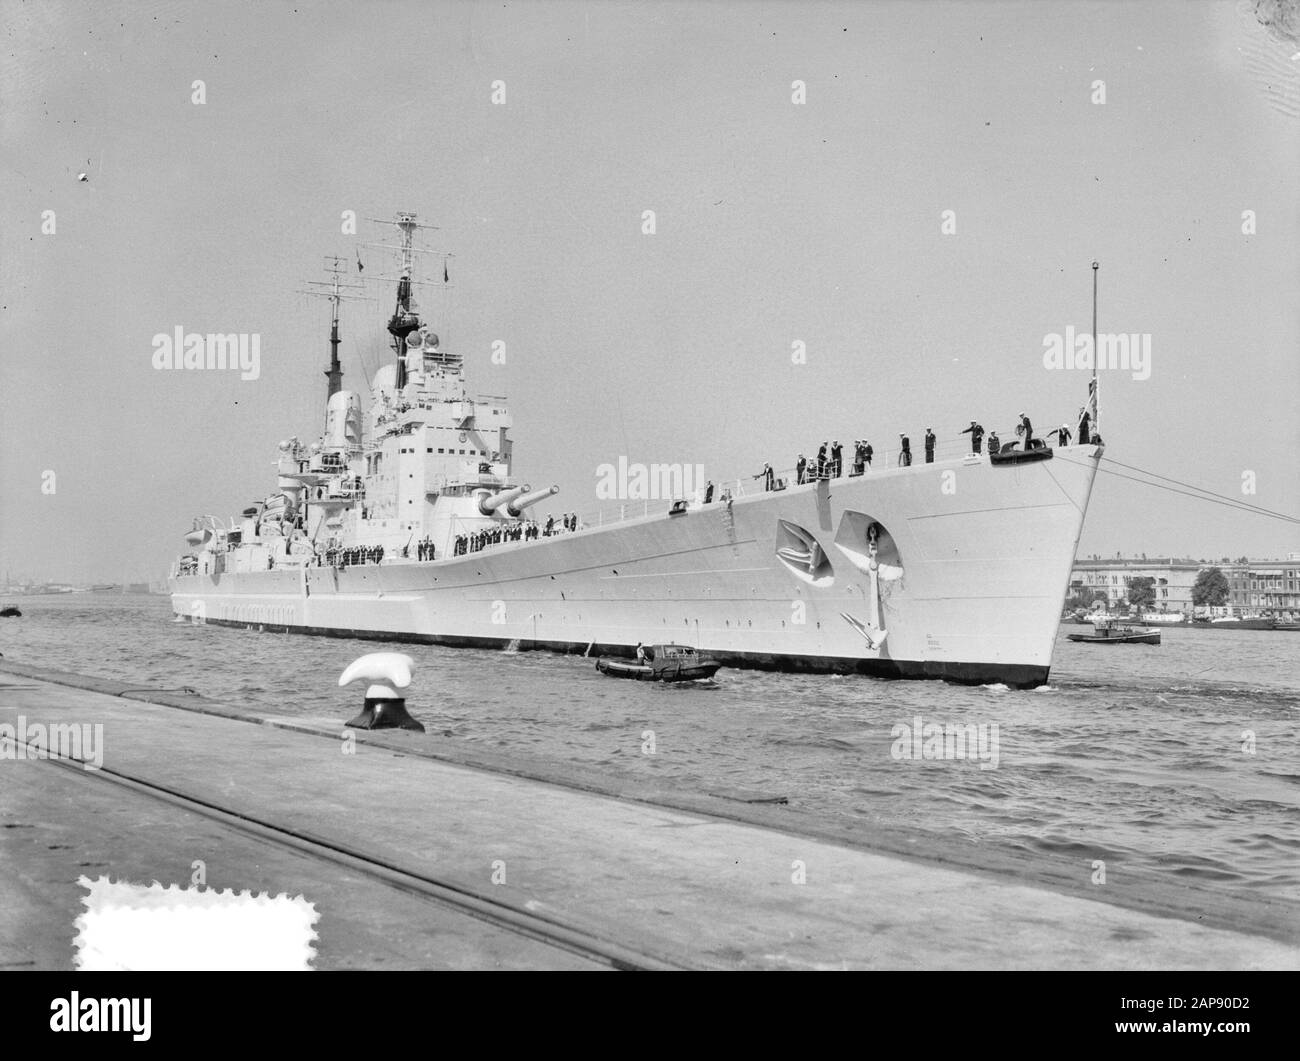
886, 459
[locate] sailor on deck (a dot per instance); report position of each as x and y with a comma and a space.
1027, 429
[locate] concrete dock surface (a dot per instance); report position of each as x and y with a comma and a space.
693, 887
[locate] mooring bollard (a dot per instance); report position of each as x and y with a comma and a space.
385, 707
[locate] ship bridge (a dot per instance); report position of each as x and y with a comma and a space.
432, 450
424, 462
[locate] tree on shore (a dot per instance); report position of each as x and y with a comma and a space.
1142, 592
1083, 598
1211, 588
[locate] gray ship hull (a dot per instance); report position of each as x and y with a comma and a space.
974, 561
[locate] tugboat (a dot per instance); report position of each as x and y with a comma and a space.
1110, 632
662, 663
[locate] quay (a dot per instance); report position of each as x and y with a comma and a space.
421, 854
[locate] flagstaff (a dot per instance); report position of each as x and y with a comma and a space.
1096, 397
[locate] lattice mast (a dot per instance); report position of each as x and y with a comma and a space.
337, 291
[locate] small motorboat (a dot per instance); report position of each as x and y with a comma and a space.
1109, 632
10, 613
663, 663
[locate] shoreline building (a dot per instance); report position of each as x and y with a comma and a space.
1173, 579
1253, 586
1264, 585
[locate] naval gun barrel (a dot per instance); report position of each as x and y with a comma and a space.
517, 506
489, 503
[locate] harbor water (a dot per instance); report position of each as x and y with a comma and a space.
1181, 760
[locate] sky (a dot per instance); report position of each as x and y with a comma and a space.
776, 223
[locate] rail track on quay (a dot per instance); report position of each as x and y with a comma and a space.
551, 931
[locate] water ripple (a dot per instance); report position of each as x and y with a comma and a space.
1149, 758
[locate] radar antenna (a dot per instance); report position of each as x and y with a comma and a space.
406, 317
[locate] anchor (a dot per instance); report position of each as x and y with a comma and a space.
871, 629
385, 707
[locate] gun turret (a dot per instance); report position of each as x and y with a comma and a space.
517, 506
489, 503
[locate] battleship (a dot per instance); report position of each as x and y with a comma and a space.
404, 522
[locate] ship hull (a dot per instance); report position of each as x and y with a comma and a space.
975, 563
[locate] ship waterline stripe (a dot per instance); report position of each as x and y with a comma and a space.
1018, 675
629, 632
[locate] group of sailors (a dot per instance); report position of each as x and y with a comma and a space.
424, 549
567, 522
524, 531
494, 535
1060, 436
353, 557
829, 461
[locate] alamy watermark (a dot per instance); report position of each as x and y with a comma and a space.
933, 740
640, 482
213, 351
1127, 353
92, 1014
81, 742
